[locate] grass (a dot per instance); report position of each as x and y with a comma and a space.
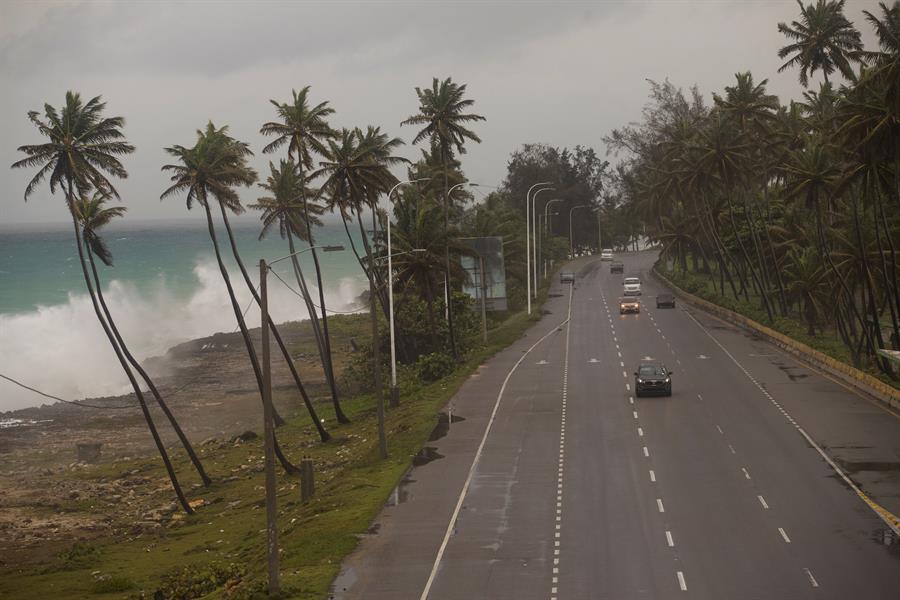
221, 547
826, 339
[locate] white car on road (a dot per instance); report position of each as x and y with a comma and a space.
606, 254
631, 286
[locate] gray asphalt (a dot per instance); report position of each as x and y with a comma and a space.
582, 490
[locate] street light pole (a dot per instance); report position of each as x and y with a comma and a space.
534, 235
274, 585
395, 392
571, 237
528, 242
547, 222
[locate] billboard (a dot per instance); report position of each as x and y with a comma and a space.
490, 249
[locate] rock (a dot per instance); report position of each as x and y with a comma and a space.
246, 436
209, 441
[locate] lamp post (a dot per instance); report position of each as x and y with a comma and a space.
395, 393
274, 583
571, 237
528, 242
547, 221
542, 228
534, 236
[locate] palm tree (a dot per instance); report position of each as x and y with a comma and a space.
305, 131
806, 276
92, 215
822, 40
210, 170
442, 112
83, 147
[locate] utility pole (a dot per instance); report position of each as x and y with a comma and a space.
269, 438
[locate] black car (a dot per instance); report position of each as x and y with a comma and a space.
566, 277
652, 378
616, 267
665, 301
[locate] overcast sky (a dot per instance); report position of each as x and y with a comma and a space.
554, 72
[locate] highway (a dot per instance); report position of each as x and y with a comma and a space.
561, 484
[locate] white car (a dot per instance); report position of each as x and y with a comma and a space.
631, 286
606, 254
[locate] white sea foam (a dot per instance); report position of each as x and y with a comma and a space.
62, 349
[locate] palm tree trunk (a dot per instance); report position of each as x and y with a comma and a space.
450, 327
323, 345
323, 435
753, 274
245, 334
145, 376
892, 284
170, 470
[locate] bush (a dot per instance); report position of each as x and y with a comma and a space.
193, 581
106, 585
434, 366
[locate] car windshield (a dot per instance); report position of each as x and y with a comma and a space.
632, 280
651, 371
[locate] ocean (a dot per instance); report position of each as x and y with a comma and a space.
164, 288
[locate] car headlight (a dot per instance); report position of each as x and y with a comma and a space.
667, 380
640, 380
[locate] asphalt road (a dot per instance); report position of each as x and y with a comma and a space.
561, 484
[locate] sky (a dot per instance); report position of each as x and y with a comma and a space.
561, 73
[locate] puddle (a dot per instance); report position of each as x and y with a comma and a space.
886, 537
425, 456
401, 493
788, 370
877, 466
343, 582
443, 426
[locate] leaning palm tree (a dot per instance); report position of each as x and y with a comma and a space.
93, 214
442, 112
209, 171
83, 148
305, 131
822, 40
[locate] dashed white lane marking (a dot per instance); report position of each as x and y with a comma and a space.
763, 502
652, 476
784, 535
812, 580
640, 432
681, 582
660, 506
621, 364
478, 451
720, 430
557, 535
646, 452
628, 386
620, 356
669, 539
730, 447
746, 473
634, 412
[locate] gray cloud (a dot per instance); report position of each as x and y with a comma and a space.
563, 73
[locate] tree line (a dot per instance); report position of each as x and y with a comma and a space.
794, 206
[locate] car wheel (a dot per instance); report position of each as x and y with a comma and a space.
669, 391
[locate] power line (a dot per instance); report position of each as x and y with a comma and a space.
51, 396
296, 293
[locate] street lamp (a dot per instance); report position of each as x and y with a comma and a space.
336, 248
395, 393
534, 236
528, 242
547, 221
571, 245
542, 226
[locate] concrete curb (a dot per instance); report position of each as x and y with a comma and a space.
855, 378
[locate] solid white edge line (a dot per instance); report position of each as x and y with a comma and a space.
487, 430
812, 443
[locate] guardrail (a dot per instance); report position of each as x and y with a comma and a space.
851, 376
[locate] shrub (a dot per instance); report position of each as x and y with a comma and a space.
195, 581
434, 366
106, 585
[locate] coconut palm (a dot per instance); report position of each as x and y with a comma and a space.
822, 40
305, 131
442, 112
82, 151
93, 214
210, 171
806, 275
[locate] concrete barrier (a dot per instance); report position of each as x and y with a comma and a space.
851, 376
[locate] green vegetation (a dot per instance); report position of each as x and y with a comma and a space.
786, 213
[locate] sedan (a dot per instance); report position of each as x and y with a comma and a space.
665, 301
652, 377
629, 305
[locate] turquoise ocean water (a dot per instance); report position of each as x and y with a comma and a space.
164, 288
